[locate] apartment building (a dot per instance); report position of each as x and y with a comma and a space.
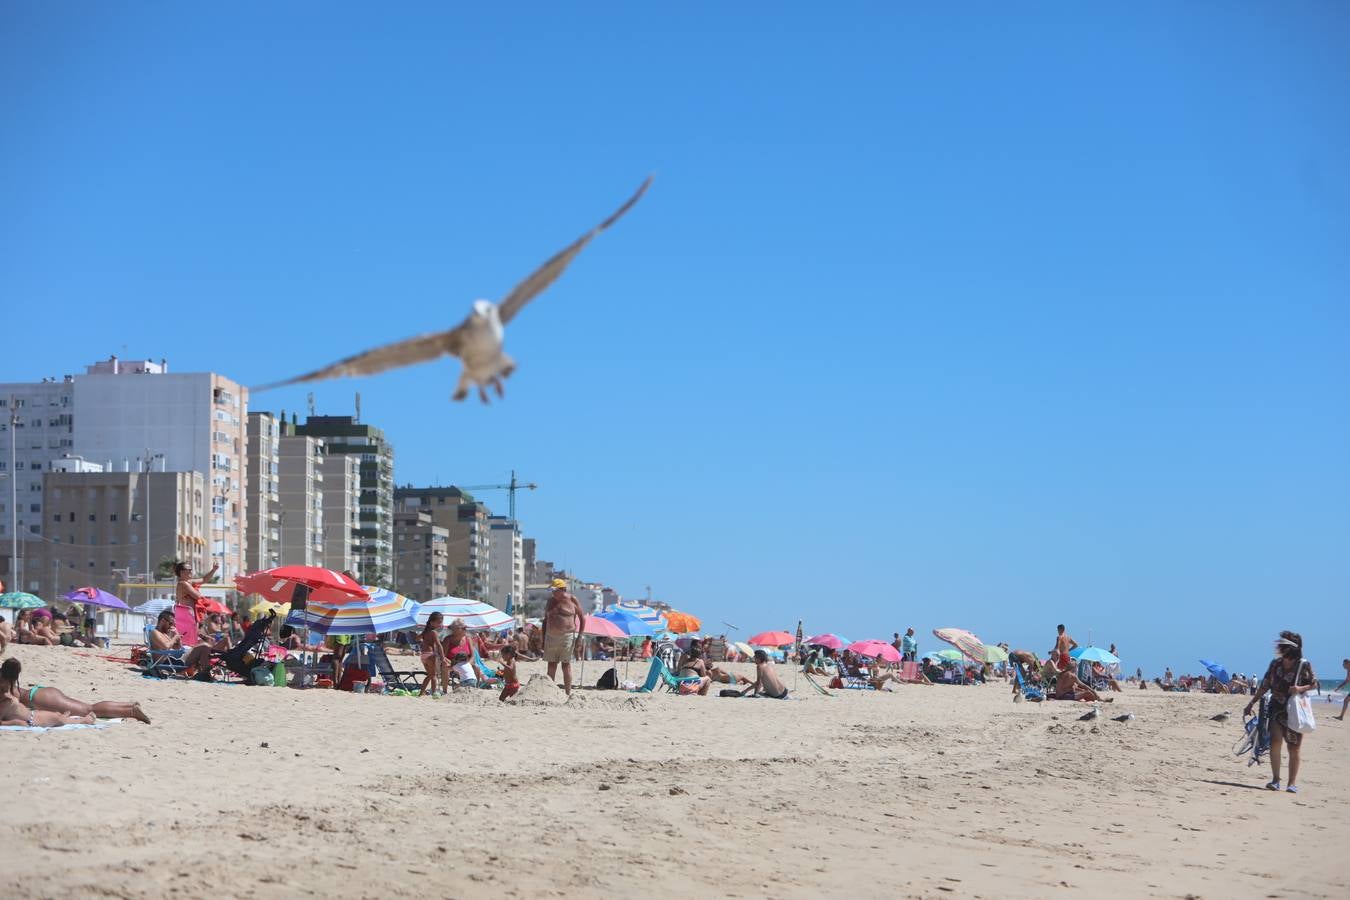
421, 560
102, 526
506, 563
38, 417
341, 512
465, 521
136, 415
262, 498
343, 435
300, 490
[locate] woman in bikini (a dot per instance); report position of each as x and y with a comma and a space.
433, 657
50, 699
1289, 674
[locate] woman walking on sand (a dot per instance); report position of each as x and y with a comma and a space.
1288, 675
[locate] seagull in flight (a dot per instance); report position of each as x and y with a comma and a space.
477, 340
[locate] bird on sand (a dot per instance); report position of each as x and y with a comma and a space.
1090, 714
1221, 717
1128, 717
477, 340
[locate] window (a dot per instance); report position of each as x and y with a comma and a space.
19, 464
56, 518
35, 507
92, 517
112, 517
35, 529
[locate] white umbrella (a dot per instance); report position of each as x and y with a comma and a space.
472, 613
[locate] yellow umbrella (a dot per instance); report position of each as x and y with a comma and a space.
263, 607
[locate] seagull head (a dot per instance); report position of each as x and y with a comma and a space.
483, 309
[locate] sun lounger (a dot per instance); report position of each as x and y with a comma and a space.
394, 679
1029, 691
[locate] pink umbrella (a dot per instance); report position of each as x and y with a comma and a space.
770, 639
875, 650
832, 641
602, 628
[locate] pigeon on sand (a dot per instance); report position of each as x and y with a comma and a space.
477, 340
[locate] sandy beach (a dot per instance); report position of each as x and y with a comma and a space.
924, 792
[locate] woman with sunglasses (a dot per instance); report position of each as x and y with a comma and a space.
1289, 674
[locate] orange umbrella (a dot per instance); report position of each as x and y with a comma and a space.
682, 623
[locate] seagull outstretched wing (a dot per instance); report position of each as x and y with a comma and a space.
402, 353
548, 273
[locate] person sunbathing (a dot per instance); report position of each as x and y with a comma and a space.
50, 699
766, 681
1068, 687
12, 712
166, 641
6, 634
36, 630
1099, 671
693, 666
722, 676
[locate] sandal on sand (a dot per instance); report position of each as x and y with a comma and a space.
1293, 789
1273, 786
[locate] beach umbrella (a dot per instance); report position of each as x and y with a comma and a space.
95, 596
21, 600
153, 608
380, 612
1094, 654
652, 617
770, 639
625, 621
832, 641
211, 605
947, 656
995, 654
742, 648
280, 585
1217, 670
682, 623
962, 640
263, 607
475, 614
874, 650
602, 627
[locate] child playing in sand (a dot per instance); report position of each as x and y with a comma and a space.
508, 672
464, 671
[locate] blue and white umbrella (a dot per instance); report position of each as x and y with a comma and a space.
628, 623
651, 616
153, 608
382, 612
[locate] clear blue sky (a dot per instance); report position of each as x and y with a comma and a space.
983, 318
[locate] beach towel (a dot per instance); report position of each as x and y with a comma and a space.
99, 724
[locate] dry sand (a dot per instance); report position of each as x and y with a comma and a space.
924, 792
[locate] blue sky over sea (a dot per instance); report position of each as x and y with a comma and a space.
932, 317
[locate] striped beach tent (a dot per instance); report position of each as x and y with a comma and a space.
473, 613
382, 612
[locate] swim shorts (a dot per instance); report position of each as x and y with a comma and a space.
558, 646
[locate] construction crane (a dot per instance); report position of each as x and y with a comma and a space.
512, 487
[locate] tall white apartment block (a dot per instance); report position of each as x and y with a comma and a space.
341, 511
506, 562
262, 492
301, 493
136, 415
43, 432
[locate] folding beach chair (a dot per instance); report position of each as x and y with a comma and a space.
394, 679
1032, 692
660, 674
250, 652
493, 679
910, 673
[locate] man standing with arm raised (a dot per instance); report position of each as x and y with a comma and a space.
563, 621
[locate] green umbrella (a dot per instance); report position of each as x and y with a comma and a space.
948, 655
995, 654
20, 600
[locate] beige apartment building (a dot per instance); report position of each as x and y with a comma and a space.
421, 561
262, 505
466, 523
101, 526
341, 512
300, 488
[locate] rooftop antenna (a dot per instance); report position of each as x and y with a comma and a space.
310, 399
358, 407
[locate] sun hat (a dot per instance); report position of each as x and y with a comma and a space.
559, 584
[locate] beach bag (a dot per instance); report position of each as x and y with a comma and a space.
262, 676
608, 681
728, 693
1299, 711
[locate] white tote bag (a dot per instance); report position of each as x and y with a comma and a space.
1300, 714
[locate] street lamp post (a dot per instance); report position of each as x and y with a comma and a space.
14, 497
148, 466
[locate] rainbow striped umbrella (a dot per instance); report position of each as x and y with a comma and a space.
381, 612
473, 613
962, 640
